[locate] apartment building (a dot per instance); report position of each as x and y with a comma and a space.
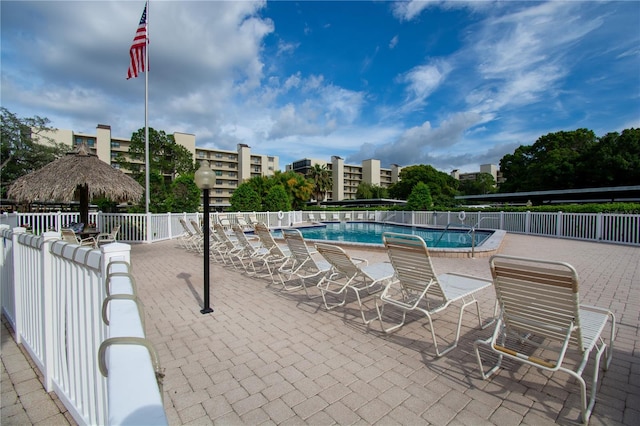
492, 169
231, 167
347, 177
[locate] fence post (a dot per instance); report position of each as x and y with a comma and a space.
17, 283
47, 296
169, 230
599, 218
148, 228
527, 222
501, 220
559, 224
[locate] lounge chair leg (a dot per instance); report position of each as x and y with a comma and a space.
395, 327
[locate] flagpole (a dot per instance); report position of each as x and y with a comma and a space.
146, 116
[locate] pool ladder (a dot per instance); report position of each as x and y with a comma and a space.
472, 231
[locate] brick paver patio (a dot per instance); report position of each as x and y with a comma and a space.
265, 356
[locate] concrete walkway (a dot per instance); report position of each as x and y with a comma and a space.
265, 356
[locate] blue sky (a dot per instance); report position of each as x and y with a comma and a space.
452, 84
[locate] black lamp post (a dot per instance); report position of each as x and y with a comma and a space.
205, 178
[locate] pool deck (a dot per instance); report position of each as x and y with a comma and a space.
265, 356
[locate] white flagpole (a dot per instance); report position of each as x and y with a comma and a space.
146, 116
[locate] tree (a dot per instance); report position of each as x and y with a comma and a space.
297, 187
443, 187
367, 191
166, 157
482, 184
554, 161
245, 199
322, 182
420, 198
277, 199
184, 194
25, 147
613, 161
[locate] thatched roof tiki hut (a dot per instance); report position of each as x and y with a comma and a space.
77, 176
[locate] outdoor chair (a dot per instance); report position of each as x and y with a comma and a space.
277, 255
335, 217
198, 241
417, 288
359, 216
231, 247
108, 237
347, 216
323, 217
301, 264
311, 217
244, 224
351, 273
540, 309
70, 237
187, 239
250, 251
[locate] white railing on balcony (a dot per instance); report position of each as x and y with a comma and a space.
52, 296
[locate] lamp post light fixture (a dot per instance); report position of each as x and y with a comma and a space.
205, 178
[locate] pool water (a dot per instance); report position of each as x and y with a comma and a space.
371, 233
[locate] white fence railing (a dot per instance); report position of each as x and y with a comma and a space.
600, 227
52, 296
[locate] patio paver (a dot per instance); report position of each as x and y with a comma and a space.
269, 356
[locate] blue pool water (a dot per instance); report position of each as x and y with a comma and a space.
371, 233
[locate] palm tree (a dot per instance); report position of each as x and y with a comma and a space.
321, 177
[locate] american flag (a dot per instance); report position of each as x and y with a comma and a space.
139, 48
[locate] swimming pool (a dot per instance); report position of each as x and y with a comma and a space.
371, 233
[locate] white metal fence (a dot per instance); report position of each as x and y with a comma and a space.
52, 296
599, 227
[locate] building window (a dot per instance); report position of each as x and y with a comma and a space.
218, 191
270, 159
91, 142
114, 155
218, 155
115, 144
232, 174
256, 169
218, 173
115, 166
201, 154
218, 181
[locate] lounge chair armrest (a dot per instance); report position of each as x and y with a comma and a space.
596, 309
358, 260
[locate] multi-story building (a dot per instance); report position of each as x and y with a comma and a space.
231, 167
347, 177
492, 169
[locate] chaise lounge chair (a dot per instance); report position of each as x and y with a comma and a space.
418, 288
301, 263
539, 307
351, 273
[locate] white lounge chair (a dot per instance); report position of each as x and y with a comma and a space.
187, 239
199, 235
108, 237
277, 255
360, 217
70, 237
323, 217
351, 273
418, 288
335, 217
311, 217
347, 216
301, 264
540, 307
251, 251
